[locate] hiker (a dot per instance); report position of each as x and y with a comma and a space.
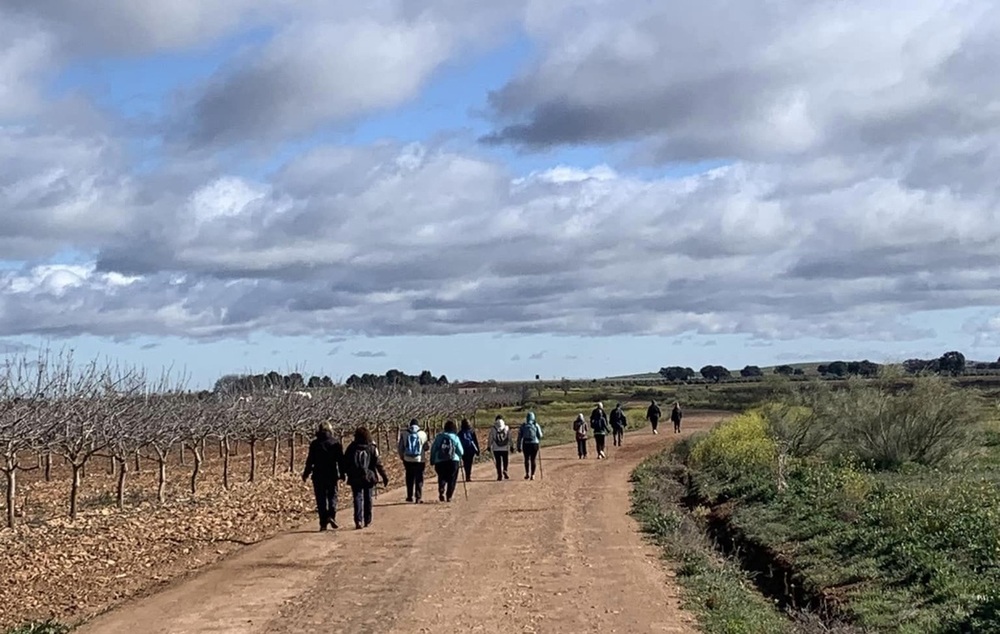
446, 456
470, 447
411, 447
653, 415
499, 445
363, 467
676, 415
528, 439
618, 424
580, 429
323, 463
599, 425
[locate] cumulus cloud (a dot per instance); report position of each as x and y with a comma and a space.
695, 80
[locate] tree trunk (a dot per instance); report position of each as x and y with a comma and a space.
48, 467
112, 465
183, 461
122, 471
291, 453
253, 460
197, 469
74, 490
83, 471
11, 473
161, 489
236, 447
225, 464
138, 465
222, 448
274, 457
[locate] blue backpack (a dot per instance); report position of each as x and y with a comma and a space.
529, 434
414, 448
468, 439
446, 450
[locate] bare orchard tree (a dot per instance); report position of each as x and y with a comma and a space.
162, 434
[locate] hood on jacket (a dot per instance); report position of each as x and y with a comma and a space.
530, 418
499, 424
580, 418
413, 428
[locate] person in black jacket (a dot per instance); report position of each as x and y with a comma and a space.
653, 415
470, 447
676, 415
323, 463
618, 424
599, 425
363, 468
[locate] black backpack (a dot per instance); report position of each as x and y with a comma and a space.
362, 464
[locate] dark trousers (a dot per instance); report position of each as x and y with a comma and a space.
501, 459
362, 505
581, 447
677, 426
326, 501
414, 480
618, 434
599, 442
530, 458
447, 473
467, 460
655, 422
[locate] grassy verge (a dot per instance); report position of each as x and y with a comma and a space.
881, 506
715, 589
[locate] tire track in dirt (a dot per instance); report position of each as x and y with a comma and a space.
557, 554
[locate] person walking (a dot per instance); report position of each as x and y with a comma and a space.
470, 447
599, 425
675, 415
653, 415
529, 437
363, 468
618, 424
323, 463
580, 429
446, 456
499, 445
412, 448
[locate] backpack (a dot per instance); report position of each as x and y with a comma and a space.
468, 439
446, 450
362, 465
414, 448
500, 436
529, 434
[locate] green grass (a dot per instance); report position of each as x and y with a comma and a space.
715, 589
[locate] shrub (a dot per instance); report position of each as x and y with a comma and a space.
930, 424
737, 445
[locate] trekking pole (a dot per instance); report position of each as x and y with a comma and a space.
465, 487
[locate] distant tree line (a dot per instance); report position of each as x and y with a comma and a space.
396, 378
247, 383
953, 363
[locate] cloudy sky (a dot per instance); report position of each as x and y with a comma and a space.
499, 189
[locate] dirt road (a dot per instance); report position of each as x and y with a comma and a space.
557, 554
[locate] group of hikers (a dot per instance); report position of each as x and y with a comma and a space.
452, 452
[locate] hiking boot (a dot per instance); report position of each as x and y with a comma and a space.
357, 526
505, 476
532, 477
409, 499
499, 478
526, 476
441, 497
334, 526
322, 527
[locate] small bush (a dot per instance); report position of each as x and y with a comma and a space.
735, 447
46, 627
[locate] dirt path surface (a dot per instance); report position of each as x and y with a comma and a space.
557, 554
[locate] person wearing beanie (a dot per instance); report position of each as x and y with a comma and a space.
499, 445
412, 447
446, 456
599, 425
529, 438
580, 429
324, 465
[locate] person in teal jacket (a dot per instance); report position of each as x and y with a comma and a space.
446, 456
529, 437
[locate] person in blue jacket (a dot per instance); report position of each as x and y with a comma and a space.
446, 456
470, 447
529, 437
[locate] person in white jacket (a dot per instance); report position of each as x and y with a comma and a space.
499, 444
412, 448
